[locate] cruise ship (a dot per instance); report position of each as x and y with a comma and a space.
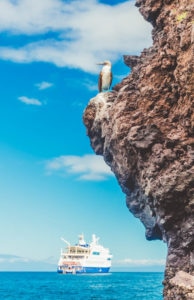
84, 258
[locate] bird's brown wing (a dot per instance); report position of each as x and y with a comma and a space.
100, 82
111, 78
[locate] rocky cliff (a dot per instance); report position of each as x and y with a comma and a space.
144, 129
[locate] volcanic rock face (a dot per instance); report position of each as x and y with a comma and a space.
144, 129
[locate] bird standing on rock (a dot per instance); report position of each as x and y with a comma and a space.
105, 77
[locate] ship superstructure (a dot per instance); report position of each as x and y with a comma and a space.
84, 258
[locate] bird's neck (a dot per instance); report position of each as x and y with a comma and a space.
106, 69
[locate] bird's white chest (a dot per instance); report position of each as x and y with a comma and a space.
106, 74
105, 77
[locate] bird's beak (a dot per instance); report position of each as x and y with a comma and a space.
100, 63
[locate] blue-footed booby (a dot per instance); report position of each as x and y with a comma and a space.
105, 77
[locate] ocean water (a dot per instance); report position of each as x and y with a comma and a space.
50, 285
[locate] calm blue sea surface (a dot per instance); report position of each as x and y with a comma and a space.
49, 285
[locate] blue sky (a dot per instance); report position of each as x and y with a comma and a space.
52, 183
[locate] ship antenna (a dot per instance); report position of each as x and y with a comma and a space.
65, 241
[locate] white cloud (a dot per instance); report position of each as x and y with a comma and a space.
141, 262
87, 167
90, 85
17, 263
29, 101
12, 258
44, 85
84, 31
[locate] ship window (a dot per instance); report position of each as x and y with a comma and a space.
96, 253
